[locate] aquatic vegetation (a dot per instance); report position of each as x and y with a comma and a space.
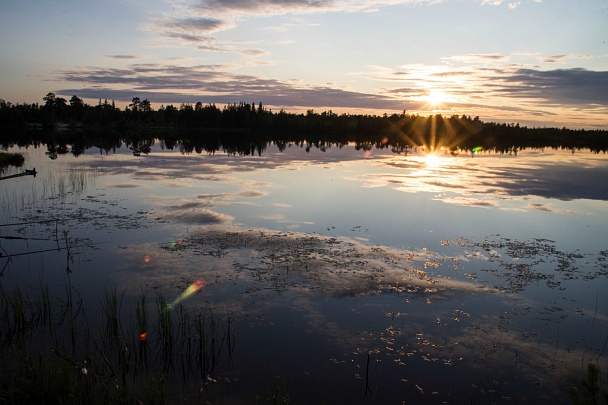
51, 354
590, 391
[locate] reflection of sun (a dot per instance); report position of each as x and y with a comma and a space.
431, 159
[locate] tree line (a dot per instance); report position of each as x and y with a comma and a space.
248, 122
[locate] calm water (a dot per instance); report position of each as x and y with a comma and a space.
355, 277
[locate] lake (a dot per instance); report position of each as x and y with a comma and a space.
328, 274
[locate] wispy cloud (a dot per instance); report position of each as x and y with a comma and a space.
561, 86
187, 30
280, 7
122, 57
196, 20
213, 83
563, 58
264, 6
199, 24
511, 5
288, 26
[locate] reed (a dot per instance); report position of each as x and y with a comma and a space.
47, 316
18, 317
52, 354
590, 391
278, 392
141, 314
110, 319
164, 329
201, 345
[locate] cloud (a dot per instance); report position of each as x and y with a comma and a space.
554, 58
123, 57
188, 29
264, 6
281, 7
484, 84
207, 83
288, 26
252, 193
511, 5
560, 86
193, 23
254, 52
498, 85
200, 24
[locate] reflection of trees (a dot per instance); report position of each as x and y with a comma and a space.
245, 128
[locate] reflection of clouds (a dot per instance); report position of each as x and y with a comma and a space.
443, 184
126, 185
505, 349
439, 321
199, 217
469, 202
194, 212
488, 179
188, 205
303, 262
548, 208
281, 219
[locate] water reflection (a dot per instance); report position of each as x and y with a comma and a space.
364, 276
406, 309
546, 176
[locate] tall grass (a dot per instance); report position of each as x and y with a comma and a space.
49, 192
148, 354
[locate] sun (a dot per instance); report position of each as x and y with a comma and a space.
435, 98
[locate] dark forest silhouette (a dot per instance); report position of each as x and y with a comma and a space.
246, 128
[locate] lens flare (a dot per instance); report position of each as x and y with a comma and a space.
192, 289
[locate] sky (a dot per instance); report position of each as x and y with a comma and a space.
540, 63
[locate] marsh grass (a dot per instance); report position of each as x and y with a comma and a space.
50, 191
278, 393
152, 354
590, 391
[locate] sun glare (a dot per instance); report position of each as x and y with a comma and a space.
435, 98
431, 159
